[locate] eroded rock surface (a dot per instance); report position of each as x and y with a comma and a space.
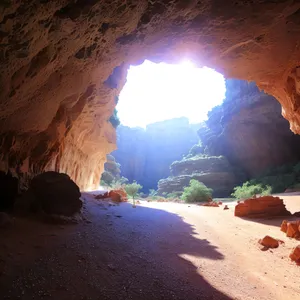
52, 193
63, 62
214, 172
265, 206
146, 154
249, 130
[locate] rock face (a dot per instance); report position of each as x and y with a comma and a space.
63, 62
266, 206
53, 193
214, 172
145, 155
249, 130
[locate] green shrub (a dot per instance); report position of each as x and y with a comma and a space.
152, 192
196, 192
132, 189
174, 195
249, 189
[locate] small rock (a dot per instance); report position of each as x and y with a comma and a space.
226, 207
269, 242
283, 226
292, 230
295, 254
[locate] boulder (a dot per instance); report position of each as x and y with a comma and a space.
265, 206
283, 226
53, 193
293, 230
102, 196
295, 254
118, 195
5, 220
269, 242
215, 172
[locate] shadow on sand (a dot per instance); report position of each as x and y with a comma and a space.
123, 253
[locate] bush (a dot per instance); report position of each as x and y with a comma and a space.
152, 192
196, 192
132, 189
248, 190
174, 195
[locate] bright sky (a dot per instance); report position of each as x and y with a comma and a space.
157, 92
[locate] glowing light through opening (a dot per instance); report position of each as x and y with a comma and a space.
157, 92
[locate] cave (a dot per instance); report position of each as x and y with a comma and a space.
64, 62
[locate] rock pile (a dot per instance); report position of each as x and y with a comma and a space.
292, 229
265, 206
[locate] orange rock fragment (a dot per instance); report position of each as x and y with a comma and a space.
118, 195
292, 230
295, 254
269, 242
284, 226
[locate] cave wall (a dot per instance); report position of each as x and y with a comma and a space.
62, 63
145, 155
249, 130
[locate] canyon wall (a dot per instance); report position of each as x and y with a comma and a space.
62, 63
249, 130
146, 154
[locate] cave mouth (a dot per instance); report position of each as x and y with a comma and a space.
155, 92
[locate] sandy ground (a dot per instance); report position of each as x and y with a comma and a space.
154, 251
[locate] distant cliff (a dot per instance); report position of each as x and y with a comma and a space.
146, 154
249, 130
214, 171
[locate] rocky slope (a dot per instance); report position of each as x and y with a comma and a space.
215, 172
145, 155
249, 130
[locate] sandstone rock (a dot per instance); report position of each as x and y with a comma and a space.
102, 196
266, 206
211, 204
80, 51
220, 203
292, 230
234, 129
295, 255
226, 207
118, 195
53, 193
214, 172
269, 242
283, 226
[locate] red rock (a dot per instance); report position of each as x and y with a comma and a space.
118, 195
211, 204
295, 254
269, 242
292, 230
102, 196
283, 226
266, 206
220, 202
226, 207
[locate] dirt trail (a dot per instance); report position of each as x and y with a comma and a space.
155, 251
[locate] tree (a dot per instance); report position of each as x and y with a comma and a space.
196, 192
132, 189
